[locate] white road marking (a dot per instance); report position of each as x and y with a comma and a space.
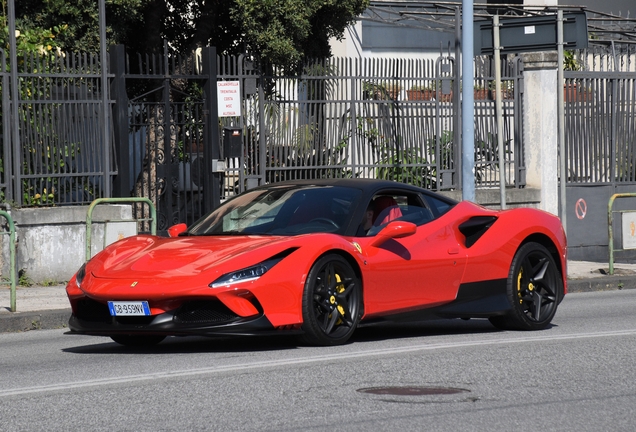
303, 360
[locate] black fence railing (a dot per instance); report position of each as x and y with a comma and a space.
383, 118
600, 117
58, 156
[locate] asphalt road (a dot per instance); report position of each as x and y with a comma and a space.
577, 376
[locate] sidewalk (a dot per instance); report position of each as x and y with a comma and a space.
47, 307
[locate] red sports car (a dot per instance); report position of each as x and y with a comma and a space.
319, 258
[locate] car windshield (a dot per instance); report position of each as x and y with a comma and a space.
282, 210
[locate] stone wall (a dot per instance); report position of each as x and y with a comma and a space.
51, 242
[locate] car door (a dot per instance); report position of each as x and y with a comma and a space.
420, 270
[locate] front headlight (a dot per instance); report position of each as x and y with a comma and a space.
245, 275
251, 273
79, 277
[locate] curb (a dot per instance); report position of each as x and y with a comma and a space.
40, 320
604, 283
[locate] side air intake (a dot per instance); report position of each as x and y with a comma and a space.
476, 227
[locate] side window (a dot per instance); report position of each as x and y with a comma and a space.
389, 207
440, 207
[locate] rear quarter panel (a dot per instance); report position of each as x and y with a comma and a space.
491, 256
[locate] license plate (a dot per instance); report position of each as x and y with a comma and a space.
130, 308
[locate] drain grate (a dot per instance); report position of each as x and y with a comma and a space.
412, 391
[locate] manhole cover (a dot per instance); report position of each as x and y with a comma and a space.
412, 391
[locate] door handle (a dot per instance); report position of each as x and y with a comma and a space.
453, 251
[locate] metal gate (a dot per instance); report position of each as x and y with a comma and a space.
160, 124
382, 118
600, 121
53, 149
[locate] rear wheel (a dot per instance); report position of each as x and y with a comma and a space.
331, 302
137, 340
534, 289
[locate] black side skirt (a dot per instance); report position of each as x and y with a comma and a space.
474, 300
478, 300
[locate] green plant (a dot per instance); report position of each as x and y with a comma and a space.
381, 91
50, 282
192, 127
23, 279
44, 152
42, 161
570, 63
403, 165
446, 150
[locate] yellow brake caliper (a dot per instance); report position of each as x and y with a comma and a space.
519, 277
340, 289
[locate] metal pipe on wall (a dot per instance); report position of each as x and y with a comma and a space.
106, 184
468, 103
499, 112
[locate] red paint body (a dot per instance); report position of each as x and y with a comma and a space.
405, 272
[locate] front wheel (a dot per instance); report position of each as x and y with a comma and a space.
331, 302
534, 288
137, 341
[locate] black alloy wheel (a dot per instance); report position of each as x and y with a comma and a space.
331, 302
534, 289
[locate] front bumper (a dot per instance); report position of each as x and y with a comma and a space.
203, 318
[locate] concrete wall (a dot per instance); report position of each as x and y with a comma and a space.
540, 119
51, 242
490, 198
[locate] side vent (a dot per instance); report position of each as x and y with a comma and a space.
475, 227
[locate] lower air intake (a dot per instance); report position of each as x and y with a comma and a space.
92, 311
208, 311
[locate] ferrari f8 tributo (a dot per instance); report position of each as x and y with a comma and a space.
319, 258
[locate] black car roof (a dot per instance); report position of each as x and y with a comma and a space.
368, 186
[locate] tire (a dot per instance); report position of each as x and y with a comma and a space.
137, 341
534, 289
332, 301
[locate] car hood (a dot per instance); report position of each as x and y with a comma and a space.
142, 257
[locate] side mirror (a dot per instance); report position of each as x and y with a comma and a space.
393, 230
177, 229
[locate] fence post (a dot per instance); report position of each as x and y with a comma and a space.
121, 182
12, 257
7, 150
107, 168
211, 145
16, 148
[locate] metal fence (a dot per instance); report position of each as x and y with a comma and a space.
160, 100
384, 118
600, 115
58, 156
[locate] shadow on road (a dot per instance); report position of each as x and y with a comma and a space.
238, 344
